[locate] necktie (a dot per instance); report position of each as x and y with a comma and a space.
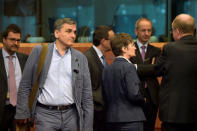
12, 83
104, 60
143, 57
143, 52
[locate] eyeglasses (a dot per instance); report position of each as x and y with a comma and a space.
14, 40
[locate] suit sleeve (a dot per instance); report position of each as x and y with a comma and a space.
147, 70
26, 84
87, 100
132, 85
160, 64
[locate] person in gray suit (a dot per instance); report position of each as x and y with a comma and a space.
64, 97
121, 88
96, 63
11, 44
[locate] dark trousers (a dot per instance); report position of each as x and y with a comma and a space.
150, 111
8, 119
99, 121
125, 126
178, 127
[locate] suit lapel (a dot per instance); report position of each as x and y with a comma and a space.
148, 51
74, 66
47, 62
148, 55
2, 65
21, 61
96, 58
138, 57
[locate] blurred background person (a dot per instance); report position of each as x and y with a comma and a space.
96, 63
12, 64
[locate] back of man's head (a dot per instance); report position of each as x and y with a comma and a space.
184, 23
101, 32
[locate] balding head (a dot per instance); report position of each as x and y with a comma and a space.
184, 23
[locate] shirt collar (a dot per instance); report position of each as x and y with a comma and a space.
124, 58
99, 53
66, 52
140, 44
6, 55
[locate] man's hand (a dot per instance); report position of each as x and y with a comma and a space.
145, 100
153, 60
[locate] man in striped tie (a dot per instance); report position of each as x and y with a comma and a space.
12, 64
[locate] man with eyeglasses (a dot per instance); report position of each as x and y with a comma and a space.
12, 64
145, 53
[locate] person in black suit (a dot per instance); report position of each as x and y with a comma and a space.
150, 85
101, 44
177, 66
121, 88
11, 43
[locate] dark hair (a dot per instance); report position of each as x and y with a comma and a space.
119, 41
11, 28
101, 32
59, 22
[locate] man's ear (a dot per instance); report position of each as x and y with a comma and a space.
180, 33
56, 33
102, 42
3, 40
123, 49
135, 31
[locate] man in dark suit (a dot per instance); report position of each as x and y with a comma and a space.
11, 43
96, 63
144, 55
177, 66
121, 88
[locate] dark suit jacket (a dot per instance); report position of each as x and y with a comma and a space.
3, 78
121, 92
96, 68
151, 93
178, 93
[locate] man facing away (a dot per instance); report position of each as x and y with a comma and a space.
64, 97
144, 55
177, 66
12, 64
96, 63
